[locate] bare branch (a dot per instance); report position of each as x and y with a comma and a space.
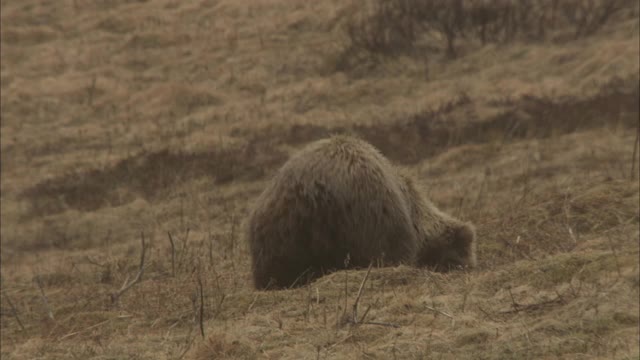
127, 285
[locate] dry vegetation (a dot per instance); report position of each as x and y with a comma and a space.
161, 120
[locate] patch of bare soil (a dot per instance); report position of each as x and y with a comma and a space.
405, 141
149, 175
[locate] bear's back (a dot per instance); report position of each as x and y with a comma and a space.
335, 197
350, 168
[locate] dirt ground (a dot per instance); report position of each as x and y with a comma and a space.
163, 120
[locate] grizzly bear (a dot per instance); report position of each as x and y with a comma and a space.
339, 203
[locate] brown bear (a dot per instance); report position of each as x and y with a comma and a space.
340, 203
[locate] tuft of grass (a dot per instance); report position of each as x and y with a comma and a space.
219, 346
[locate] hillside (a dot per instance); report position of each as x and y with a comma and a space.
164, 120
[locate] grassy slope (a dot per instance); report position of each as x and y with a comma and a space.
93, 94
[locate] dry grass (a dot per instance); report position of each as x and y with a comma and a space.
167, 117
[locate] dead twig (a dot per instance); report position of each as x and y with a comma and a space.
575, 292
486, 313
210, 245
635, 153
90, 261
615, 256
185, 246
349, 336
355, 304
346, 293
127, 285
84, 330
481, 190
44, 298
14, 310
516, 306
219, 306
438, 311
534, 306
201, 290
173, 255
366, 312
255, 298
526, 331
188, 343
308, 312
434, 281
347, 260
380, 324
293, 284
91, 90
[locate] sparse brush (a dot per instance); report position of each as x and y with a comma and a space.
129, 284
389, 28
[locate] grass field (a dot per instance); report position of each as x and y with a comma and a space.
124, 120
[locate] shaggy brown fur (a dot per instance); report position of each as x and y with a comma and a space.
340, 203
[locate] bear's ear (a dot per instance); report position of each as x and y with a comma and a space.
463, 238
